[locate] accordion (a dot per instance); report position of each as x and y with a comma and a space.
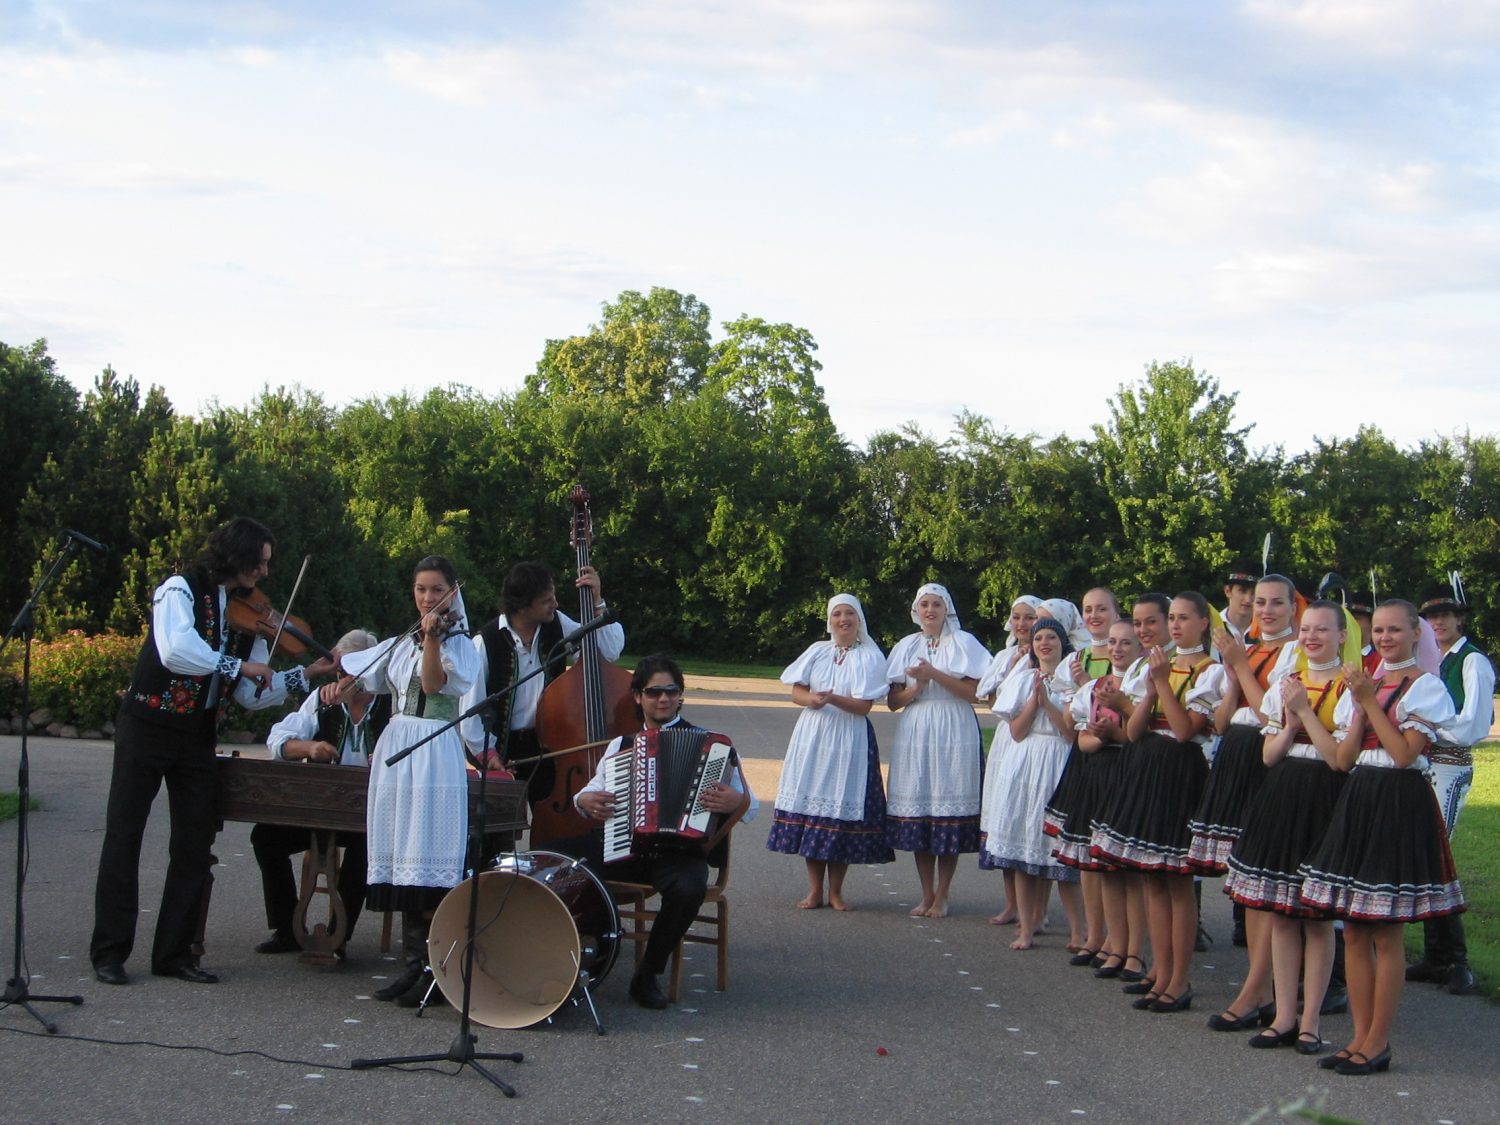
658, 781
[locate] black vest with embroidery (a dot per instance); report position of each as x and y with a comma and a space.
500, 660
170, 699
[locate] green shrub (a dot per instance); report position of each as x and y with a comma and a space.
79, 678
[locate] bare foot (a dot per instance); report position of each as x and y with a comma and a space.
1004, 918
921, 909
939, 909
838, 903
811, 902
1023, 940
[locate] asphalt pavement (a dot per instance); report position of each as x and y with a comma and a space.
829, 1017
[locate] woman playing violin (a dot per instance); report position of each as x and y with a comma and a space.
417, 815
191, 664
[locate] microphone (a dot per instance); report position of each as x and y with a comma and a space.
83, 540
608, 617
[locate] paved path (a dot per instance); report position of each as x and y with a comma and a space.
972, 1031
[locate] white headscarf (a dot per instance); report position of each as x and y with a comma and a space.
1010, 630
853, 602
1066, 614
950, 622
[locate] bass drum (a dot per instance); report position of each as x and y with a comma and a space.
543, 918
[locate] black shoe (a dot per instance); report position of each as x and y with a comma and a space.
1335, 1002
190, 973
645, 991
1310, 1044
401, 984
279, 943
1268, 1014
1132, 975
1106, 971
111, 973
1461, 980
1228, 1021
1425, 972
1270, 1037
1358, 1065
1138, 987
1143, 1003
418, 992
1083, 957
1331, 1062
1166, 1003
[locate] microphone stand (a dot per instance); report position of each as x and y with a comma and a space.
18, 987
462, 1049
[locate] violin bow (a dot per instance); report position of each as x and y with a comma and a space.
297, 585
281, 625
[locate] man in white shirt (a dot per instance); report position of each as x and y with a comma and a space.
1470, 679
513, 646
191, 664
679, 876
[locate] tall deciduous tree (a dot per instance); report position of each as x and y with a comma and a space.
1169, 457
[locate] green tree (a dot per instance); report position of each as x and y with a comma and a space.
179, 498
38, 415
87, 484
1352, 505
645, 349
1170, 459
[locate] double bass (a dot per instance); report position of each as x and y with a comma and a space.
589, 703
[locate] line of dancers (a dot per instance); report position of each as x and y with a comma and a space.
1315, 754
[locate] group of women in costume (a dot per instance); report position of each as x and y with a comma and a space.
1133, 756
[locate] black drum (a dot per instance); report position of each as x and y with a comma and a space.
544, 921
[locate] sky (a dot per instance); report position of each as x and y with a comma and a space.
1006, 207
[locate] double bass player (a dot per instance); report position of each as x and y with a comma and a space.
513, 646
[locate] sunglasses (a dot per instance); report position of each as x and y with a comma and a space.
661, 692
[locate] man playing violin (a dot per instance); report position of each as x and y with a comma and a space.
340, 723
513, 646
680, 876
191, 664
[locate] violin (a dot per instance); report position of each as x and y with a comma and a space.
250, 611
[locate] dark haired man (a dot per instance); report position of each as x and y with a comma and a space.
1470, 679
680, 876
1239, 598
189, 667
513, 646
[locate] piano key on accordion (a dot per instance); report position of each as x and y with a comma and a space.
659, 783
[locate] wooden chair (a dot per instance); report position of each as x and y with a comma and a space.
631, 899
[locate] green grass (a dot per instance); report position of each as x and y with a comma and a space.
10, 805
1478, 860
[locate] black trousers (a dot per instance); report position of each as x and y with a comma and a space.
145, 756
275, 844
681, 878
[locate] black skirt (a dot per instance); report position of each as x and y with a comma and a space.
1238, 772
1385, 855
1285, 822
1145, 827
1074, 811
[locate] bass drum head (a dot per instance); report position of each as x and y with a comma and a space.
526, 951
588, 901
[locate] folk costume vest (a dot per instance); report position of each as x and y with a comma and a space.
166, 698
